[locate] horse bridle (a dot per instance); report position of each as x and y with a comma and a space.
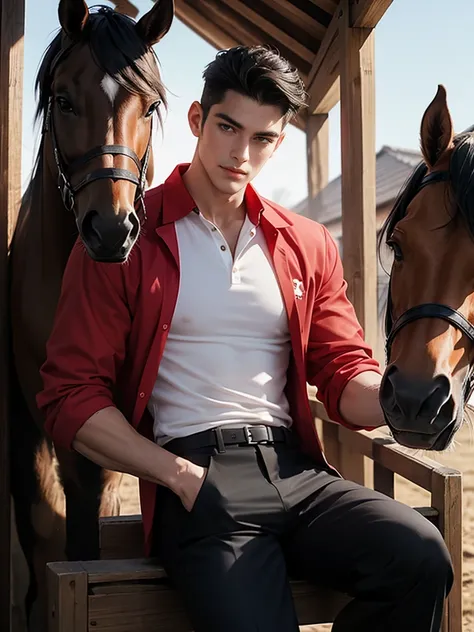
67, 190
430, 310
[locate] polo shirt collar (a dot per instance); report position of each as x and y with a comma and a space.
178, 202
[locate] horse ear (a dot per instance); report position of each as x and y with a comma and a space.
154, 25
73, 15
436, 128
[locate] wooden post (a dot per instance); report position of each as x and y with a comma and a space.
317, 144
358, 171
12, 17
358, 182
446, 497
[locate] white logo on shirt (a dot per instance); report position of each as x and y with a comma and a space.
298, 288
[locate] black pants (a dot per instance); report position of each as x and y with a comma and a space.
267, 512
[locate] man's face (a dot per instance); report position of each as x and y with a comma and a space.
236, 140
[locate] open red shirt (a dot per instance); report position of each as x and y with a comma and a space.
112, 322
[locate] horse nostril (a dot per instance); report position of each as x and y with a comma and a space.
91, 227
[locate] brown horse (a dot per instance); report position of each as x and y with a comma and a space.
430, 310
98, 88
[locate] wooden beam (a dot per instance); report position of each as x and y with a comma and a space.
367, 13
323, 80
12, 29
267, 27
298, 17
223, 18
197, 22
326, 5
317, 144
358, 172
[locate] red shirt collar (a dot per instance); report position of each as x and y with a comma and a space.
178, 202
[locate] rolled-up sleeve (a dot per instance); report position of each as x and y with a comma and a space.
337, 351
86, 347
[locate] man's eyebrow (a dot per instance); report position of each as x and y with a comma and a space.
231, 121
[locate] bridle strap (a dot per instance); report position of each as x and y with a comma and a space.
105, 174
433, 310
65, 187
113, 150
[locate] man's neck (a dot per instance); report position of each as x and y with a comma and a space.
220, 208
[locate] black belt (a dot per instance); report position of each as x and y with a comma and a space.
220, 437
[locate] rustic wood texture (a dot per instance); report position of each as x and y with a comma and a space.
67, 597
124, 595
358, 172
367, 13
447, 496
317, 149
12, 26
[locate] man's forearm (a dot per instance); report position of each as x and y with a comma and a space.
110, 441
359, 404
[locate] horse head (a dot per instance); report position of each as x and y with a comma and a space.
99, 90
430, 310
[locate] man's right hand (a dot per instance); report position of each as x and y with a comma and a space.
189, 483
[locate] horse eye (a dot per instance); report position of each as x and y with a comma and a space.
153, 107
64, 105
395, 248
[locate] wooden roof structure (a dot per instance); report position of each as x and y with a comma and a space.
306, 32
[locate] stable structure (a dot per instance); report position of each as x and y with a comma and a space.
332, 44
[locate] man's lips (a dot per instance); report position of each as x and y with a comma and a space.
236, 171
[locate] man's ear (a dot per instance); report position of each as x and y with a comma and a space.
196, 118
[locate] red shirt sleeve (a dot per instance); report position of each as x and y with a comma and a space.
87, 345
337, 351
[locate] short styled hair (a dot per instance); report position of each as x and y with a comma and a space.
256, 72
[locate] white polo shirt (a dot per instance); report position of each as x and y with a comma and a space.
226, 356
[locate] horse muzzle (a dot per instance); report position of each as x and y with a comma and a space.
422, 414
109, 238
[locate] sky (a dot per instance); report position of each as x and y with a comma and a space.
418, 45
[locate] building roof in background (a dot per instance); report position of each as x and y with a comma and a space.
393, 167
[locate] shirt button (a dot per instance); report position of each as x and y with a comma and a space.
214, 228
222, 248
165, 327
142, 395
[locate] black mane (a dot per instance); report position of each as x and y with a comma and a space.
117, 49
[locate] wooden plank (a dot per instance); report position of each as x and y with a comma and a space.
67, 597
323, 85
151, 607
271, 29
12, 28
384, 480
367, 13
381, 448
197, 22
223, 17
120, 570
358, 172
121, 537
327, 5
298, 17
317, 147
447, 499
332, 445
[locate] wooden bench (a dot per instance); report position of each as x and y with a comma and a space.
123, 592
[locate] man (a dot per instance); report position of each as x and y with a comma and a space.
187, 367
